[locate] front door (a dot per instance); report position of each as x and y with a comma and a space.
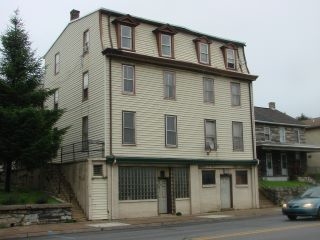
225, 191
284, 165
162, 196
269, 164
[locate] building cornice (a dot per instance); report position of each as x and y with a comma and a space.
178, 161
281, 124
164, 62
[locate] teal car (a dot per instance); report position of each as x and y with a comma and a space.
307, 205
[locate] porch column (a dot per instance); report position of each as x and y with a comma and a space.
194, 189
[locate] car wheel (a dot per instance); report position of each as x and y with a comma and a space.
292, 217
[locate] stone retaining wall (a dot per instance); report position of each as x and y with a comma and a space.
17, 215
282, 194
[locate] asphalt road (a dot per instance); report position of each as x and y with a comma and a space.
266, 227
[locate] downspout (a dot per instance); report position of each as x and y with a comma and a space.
110, 117
254, 170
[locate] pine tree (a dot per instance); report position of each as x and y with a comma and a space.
28, 137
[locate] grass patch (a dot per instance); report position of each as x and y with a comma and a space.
276, 184
25, 197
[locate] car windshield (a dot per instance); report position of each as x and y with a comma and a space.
311, 193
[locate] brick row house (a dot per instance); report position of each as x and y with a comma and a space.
160, 116
281, 144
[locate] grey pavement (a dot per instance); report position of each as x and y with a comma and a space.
163, 220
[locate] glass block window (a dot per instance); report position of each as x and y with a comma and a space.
181, 182
137, 183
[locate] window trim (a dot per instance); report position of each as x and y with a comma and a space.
241, 148
238, 95
211, 101
127, 37
128, 21
134, 129
246, 180
56, 100
268, 134
230, 47
297, 135
207, 185
165, 85
169, 31
174, 131
133, 92
85, 90
282, 135
203, 41
85, 133
94, 175
57, 63
86, 41
206, 135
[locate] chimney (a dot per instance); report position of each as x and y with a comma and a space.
74, 14
272, 105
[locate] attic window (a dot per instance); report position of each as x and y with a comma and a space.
229, 54
165, 40
125, 30
203, 49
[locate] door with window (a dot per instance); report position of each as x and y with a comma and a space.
225, 191
269, 165
162, 196
284, 165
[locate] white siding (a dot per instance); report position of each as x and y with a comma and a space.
151, 107
69, 80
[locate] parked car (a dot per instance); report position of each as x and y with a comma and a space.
308, 204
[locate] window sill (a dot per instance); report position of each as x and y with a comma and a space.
129, 93
209, 186
129, 144
242, 186
138, 200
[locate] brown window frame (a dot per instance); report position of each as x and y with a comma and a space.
208, 136
85, 133
124, 128
205, 99
175, 131
237, 147
203, 40
127, 21
169, 31
233, 103
225, 49
241, 177
165, 85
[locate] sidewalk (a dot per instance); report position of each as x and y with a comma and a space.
163, 220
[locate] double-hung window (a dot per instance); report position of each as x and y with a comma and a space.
237, 136
166, 45
126, 37
56, 99
86, 38
230, 58
267, 134
171, 130
282, 133
85, 84
235, 94
169, 85
128, 79
210, 135
204, 53
208, 93
297, 135
128, 128
208, 177
85, 133
57, 63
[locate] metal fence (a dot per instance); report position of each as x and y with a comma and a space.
81, 151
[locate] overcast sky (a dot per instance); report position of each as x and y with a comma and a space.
282, 37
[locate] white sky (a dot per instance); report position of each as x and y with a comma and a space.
282, 37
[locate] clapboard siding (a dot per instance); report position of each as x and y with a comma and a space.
69, 79
151, 108
146, 44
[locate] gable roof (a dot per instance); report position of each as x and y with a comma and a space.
273, 116
312, 123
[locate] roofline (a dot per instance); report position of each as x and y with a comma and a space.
182, 29
278, 123
110, 52
289, 147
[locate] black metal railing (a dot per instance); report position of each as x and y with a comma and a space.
81, 151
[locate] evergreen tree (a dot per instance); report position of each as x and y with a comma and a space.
28, 137
302, 117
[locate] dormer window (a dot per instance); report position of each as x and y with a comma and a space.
229, 54
125, 30
165, 40
203, 49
